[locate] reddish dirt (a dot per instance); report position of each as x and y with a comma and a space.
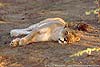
23, 13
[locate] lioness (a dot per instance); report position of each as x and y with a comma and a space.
51, 29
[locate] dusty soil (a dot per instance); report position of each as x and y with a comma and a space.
22, 13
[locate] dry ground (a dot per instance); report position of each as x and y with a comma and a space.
22, 13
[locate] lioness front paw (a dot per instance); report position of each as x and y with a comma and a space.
15, 42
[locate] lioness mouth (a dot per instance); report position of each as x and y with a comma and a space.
63, 41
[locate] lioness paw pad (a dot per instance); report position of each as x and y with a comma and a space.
15, 42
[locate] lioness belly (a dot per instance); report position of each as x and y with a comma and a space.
56, 33
41, 37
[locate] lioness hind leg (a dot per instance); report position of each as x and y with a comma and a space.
36, 36
18, 32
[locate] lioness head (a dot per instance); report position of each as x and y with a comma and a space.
68, 36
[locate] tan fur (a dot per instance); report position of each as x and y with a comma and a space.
47, 30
